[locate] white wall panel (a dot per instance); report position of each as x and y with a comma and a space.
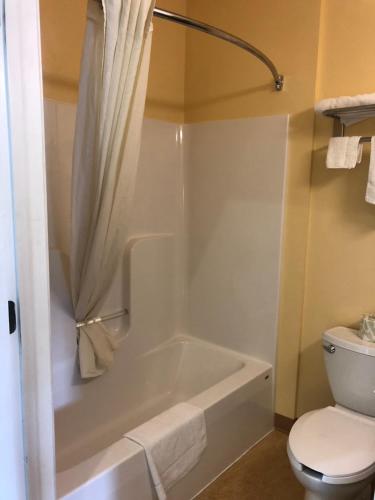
236, 171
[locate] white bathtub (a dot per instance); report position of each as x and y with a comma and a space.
95, 462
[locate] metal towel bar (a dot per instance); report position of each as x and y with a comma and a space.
100, 319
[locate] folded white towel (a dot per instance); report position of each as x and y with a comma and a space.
344, 152
370, 190
173, 442
345, 101
348, 102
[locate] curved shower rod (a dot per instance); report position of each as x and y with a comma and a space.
223, 35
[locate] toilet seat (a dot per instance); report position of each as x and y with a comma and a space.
335, 442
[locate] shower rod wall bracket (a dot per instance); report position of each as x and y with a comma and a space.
279, 83
223, 35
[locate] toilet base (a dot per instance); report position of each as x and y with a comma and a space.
316, 489
309, 495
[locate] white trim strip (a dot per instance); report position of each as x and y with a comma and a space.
27, 149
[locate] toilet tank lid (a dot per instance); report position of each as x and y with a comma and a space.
348, 339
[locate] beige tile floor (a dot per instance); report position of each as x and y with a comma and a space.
262, 474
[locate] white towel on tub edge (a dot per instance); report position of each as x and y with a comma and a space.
173, 442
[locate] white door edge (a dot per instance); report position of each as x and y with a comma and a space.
25, 92
12, 457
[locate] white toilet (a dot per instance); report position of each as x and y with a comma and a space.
332, 450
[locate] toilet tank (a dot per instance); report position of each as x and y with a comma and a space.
350, 365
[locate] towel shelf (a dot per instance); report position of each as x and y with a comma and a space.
360, 112
346, 116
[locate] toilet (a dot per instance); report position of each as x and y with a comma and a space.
332, 450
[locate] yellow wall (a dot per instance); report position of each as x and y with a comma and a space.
224, 82
166, 88
340, 283
62, 31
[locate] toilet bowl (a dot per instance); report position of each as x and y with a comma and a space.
332, 450
332, 453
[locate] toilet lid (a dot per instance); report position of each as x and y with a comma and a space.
334, 441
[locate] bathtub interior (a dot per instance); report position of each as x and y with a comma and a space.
201, 262
174, 372
238, 413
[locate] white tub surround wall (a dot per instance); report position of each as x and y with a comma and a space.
158, 210
59, 121
159, 198
158, 205
236, 191
231, 180
151, 322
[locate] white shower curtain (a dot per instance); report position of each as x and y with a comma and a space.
112, 93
